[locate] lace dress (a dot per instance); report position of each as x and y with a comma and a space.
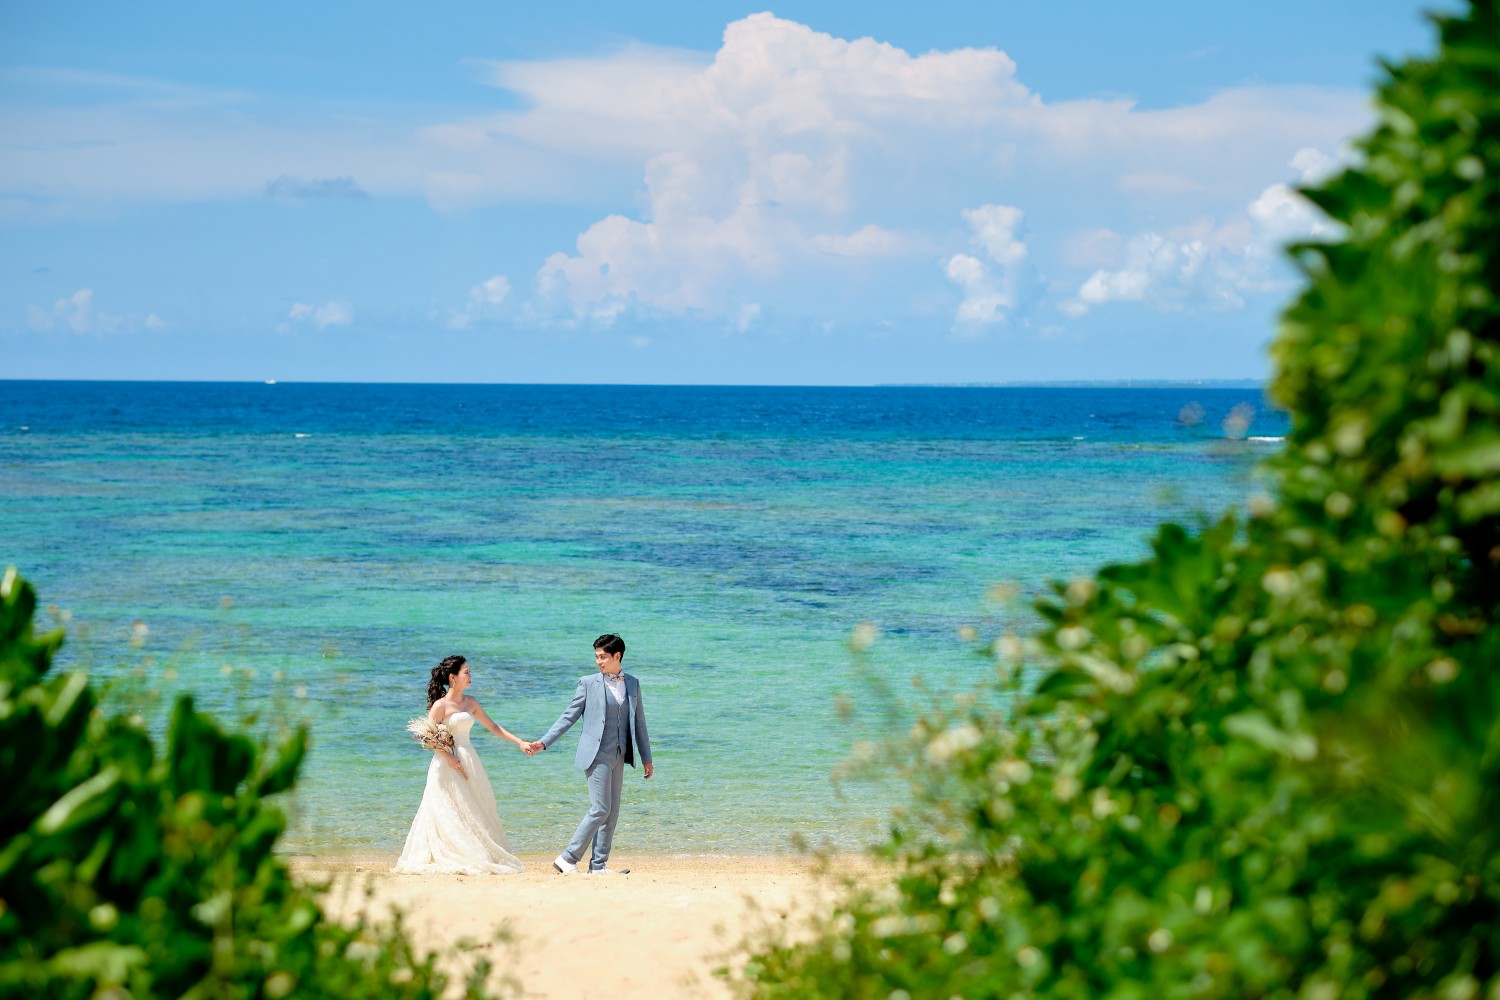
457, 829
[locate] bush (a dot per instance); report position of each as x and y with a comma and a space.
1263, 762
125, 872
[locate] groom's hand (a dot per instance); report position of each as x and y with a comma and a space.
535, 747
649, 769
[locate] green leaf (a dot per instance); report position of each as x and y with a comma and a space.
86, 801
282, 774
101, 961
1258, 729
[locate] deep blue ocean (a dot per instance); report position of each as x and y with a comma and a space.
309, 551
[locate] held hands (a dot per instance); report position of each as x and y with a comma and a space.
537, 746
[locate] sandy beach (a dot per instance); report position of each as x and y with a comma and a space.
660, 931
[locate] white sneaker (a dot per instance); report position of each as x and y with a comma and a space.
564, 866
608, 871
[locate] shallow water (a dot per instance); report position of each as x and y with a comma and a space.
733, 536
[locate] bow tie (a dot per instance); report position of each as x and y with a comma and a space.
616, 678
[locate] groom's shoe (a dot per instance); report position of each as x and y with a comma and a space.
564, 866
608, 871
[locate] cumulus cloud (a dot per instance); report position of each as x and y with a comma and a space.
757, 171
785, 161
994, 229
983, 302
484, 302
778, 156
770, 76
1215, 264
1313, 165
76, 312
329, 314
989, 285
289, 188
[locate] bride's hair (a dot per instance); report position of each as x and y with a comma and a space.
441, 675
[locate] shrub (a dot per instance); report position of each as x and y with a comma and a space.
1262, 762
129, 872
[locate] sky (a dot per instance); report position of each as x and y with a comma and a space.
668, 193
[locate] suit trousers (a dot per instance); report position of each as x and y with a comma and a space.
606, 776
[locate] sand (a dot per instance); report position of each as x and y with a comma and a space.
660, 931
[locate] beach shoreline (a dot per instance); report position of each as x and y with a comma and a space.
660, 931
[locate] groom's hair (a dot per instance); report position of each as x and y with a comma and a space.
612, 644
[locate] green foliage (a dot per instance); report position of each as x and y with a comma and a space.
128, 873
1265, 762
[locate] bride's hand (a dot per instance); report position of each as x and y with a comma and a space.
457, 765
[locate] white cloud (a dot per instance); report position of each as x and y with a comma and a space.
983, 302
329, 314
994, 228
156, 140
76, 313
989, 286
1151, 261
754, 154
786, 163
1215, 146
491, 292
1279, 214
1313, 165
1209, 263
870, 241
485, 299
777, 157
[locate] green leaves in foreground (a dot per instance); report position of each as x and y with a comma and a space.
1265, 762
154, 874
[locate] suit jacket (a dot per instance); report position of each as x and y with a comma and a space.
588, 703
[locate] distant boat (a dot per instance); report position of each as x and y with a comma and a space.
270, 381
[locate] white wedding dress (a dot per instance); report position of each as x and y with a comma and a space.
457, 829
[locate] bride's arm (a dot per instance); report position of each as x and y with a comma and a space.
495, 727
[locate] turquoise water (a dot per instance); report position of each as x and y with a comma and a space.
734, 537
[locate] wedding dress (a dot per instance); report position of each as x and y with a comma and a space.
457, 829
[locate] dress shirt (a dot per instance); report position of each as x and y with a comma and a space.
615, 685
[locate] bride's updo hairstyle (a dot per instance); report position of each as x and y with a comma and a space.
442, 675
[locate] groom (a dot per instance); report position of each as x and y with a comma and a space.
610, 704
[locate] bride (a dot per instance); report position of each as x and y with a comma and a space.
457, 829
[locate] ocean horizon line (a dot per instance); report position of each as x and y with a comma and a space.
1141, 383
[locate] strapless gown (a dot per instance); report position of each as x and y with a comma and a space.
457, 829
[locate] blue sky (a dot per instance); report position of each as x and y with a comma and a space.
825, 193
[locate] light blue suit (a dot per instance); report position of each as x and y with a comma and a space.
605, 769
